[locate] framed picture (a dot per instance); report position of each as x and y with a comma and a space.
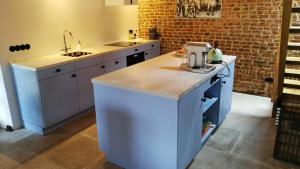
199, 9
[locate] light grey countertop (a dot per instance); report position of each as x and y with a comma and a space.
44, 62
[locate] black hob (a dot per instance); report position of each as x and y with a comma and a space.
123, 44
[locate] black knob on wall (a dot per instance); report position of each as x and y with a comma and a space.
19, 47
269, 79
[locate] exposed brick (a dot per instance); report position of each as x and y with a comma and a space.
249, 29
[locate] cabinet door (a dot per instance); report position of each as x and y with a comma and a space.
116, 64
85, 87
59, 98
226, 92
149, 54
189, 127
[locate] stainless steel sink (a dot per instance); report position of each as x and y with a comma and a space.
77, 54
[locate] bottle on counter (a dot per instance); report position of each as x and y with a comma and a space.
135, 35
79, 45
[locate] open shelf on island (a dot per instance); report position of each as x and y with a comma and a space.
205, 137
208, 103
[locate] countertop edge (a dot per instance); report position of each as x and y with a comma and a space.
134, 90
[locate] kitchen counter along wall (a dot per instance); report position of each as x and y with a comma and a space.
42, 23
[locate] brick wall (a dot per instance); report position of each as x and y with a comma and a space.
249, 29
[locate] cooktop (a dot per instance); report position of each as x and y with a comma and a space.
123, 44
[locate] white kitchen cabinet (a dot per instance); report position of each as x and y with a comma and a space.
58, 98
84, 77
152, 53
85, 87
120, 2
47, 102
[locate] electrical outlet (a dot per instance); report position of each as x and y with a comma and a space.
21, 47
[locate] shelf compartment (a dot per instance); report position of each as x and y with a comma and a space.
208, 103
208, 133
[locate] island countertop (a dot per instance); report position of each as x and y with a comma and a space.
161, 76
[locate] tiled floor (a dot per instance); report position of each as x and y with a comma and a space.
244, 141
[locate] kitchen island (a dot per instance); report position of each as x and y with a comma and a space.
151, 115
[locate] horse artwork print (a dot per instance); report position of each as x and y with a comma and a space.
198, 8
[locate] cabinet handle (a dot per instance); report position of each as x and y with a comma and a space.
136, 50
146, 53
116, 62
73, 75
223, 82
58, 70
152, 46
102, 67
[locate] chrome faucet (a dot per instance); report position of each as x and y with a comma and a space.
65, 40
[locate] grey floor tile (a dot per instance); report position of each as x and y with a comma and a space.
262, 152
7, 163
39, 144
240, 162
40, 162
209, 158
12, 137
91, 132
223, 139
80, 124
16, 153
76, 153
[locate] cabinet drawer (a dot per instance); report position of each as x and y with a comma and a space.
103, 67
89, 62
116, 64
153, 45
149, 54
136, 49
114, 55
195, 94
58, 70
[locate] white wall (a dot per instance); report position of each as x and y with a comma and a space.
42, 22
5, 118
